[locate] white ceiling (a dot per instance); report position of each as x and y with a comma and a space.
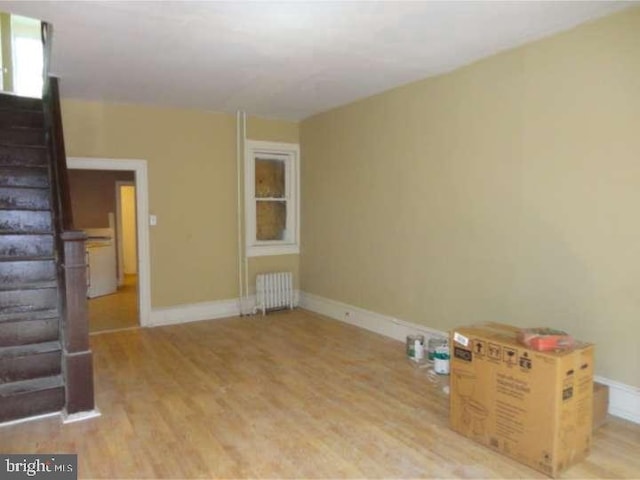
280, 59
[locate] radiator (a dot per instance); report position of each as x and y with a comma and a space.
274, 291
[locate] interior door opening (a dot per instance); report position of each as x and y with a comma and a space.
132, 173
104, 206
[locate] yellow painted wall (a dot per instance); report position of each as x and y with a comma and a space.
128, 229
191, 159
505, 191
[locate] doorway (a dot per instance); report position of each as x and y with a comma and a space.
128, 192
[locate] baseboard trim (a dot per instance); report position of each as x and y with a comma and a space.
80, 416
624, 400
29, 419
195, 312
372, 321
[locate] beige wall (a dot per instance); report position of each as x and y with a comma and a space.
191, 159
93, 196
506, 191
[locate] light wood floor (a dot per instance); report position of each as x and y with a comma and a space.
292, 395
116, 311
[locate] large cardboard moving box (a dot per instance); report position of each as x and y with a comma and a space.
600, 404
535, 407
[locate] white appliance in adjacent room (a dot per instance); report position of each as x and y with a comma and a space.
101, 258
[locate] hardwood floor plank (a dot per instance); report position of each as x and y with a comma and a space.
289, 395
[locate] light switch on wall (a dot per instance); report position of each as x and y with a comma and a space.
153, 220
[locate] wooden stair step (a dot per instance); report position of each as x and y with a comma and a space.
17, 117
28, 285
30, 330
10, 145
31, 361
21, 176
19, 198
26, 258
29, 386
32, 397
22, 136
31, 155
18, 208
27, 272
26, 221
30, 349
20, 245
16, 102
35, 314
23, 301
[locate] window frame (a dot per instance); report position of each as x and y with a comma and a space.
290, 154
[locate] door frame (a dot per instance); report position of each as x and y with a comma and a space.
139, 167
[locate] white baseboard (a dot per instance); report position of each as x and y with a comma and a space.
624, 400
29, 419
375, 322
195, 312
80, 416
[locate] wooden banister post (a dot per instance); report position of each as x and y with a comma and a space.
77, 356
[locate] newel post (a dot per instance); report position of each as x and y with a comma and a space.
77, 357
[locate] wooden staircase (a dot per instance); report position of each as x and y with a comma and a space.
46, 364
31, 380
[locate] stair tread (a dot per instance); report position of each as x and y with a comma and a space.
30, 166
14, 108
14, 97
30, 349
19, 232
22, 145
22, 128
29, 285
28, 232
8, 110
24, 209
31, 385
26, 258
41, 314
23, 187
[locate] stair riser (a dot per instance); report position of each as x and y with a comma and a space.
24, 177
28, 272
24, 198
15, 301
31, 404
16, 102
13, 369
22, 136
24, 156
21, 118
25, 221
26, 332
24, 246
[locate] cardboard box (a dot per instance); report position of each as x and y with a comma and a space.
535, 407
600, 404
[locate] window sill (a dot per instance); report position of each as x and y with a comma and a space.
265, 250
